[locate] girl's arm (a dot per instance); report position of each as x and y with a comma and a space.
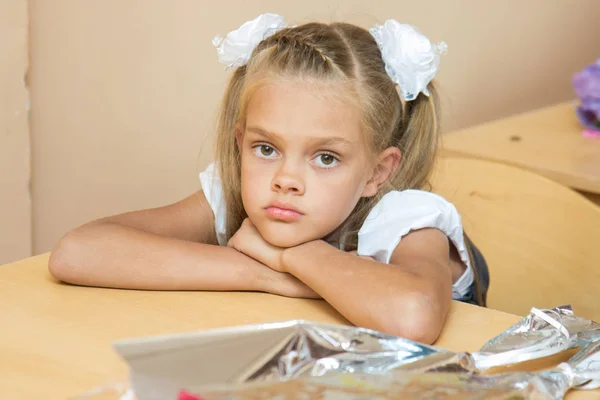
409, 297
166, 248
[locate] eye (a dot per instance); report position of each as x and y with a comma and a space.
265, 151
326, 160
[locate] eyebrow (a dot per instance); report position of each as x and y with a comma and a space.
325, 141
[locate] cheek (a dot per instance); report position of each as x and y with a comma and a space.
255, 179
246, 178
349, 184
339, 196
248, 181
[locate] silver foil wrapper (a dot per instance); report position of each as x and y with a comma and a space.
540, 334
407, 386
160, 366
288, 351
582, 371
585, 367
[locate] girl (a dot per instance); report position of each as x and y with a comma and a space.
325, 135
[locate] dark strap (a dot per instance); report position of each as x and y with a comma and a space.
480, 273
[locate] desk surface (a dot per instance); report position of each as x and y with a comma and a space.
55, 338
548, 141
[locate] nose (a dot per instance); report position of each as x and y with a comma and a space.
288, 179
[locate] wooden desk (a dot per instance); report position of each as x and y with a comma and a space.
548, 141
55, 339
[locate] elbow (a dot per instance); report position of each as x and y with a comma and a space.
413, 316
63, 263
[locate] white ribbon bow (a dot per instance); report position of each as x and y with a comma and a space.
411, 60
236, 48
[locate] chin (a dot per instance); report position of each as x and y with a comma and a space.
284, 237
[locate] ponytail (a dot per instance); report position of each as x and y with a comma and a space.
418, 142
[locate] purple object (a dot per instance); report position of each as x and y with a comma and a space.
587, 87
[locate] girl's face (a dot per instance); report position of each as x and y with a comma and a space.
305, 162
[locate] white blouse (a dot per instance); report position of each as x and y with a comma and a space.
394, 216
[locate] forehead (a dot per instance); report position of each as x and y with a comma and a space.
294, 108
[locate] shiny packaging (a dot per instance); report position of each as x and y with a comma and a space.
275, 352
161, 366
540, 334
582, 371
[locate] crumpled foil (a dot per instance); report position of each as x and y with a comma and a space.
540, 334
408, 386
275, 352
585, 367
582, 371
272, 352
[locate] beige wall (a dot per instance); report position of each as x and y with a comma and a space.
15, 205
124, 91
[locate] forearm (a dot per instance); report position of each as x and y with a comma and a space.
113, 255
368, 293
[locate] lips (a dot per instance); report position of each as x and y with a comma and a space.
283, 211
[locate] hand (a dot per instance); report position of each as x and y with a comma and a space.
248, 240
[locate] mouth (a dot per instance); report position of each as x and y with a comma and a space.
283, 212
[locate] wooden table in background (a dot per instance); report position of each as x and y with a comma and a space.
55, 338
548, 141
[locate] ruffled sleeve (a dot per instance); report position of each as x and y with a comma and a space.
213, 191
400, 212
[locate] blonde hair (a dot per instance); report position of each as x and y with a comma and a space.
331, 53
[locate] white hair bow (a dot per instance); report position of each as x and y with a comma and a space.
237, 47
411, 60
